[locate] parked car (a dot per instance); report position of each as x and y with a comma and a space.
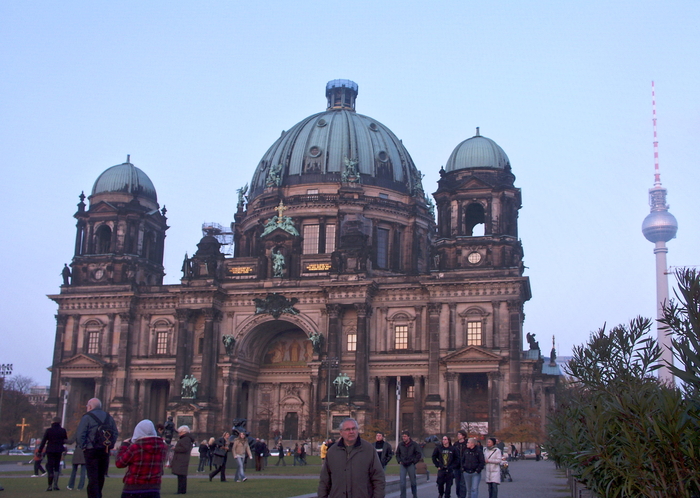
527, 454
17, 452
530, 455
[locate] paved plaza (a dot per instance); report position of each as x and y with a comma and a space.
530, 480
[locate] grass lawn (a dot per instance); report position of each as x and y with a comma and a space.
18, 483
27, 487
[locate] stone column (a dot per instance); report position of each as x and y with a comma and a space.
108, 348
453, 326
182, 356
313, 407
495, 325
140, 397
207, 386
434, 353
364, 310
515, 333
420, 344
252, 402
384, 398
494, 398
235, 386
380, 332
75, 345
123, 354
55, 390
417, 404
334, 330
453, 401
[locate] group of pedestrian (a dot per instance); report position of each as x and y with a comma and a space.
240, 450
300, 454
261, 453
353, 467
462, 464
95, 436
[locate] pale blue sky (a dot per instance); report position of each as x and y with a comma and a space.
196, 93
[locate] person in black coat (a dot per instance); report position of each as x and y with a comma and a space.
408, 454
384, 451
458, 448
221, 452
473, 463
444, 460
53, 440
181, 458
203, 455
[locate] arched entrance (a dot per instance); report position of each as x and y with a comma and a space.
280, 397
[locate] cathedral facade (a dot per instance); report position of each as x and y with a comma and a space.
347, 285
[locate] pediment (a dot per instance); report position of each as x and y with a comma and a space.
103, 207
291, 400
278, 234
475, 183
471, 354
83, 361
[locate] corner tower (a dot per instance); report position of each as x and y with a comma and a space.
477, 242
120, 237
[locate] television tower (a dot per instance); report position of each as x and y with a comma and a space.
659, 227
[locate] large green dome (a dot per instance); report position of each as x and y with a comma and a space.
315, 150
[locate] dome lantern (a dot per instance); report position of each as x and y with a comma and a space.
341, 94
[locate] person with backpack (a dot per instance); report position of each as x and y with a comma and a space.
53, 440
97, 435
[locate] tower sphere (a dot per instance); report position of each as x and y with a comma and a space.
659, 226
317, 149
477, 152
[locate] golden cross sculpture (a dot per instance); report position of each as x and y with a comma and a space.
280, 211
22, 425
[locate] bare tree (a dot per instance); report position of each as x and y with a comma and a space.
20, 383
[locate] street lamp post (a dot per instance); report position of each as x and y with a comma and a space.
5, 370
330, 363
66, 386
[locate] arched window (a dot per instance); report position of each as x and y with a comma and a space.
149, 246
474, 219
401, 327
103, 239
474, 327
93, 337
382, 246
162, 332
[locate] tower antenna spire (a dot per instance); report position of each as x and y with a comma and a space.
659, 227
657, 174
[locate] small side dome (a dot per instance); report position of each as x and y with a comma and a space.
477, 152
207, 246
659, 226
125, 178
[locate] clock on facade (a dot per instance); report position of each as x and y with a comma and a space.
98, 274
474, 257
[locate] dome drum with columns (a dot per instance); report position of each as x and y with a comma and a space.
339, 272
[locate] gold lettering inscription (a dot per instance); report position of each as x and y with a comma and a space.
240, 270
318, 267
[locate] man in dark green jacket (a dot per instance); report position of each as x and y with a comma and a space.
352, 467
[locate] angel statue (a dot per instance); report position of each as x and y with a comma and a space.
229, 343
